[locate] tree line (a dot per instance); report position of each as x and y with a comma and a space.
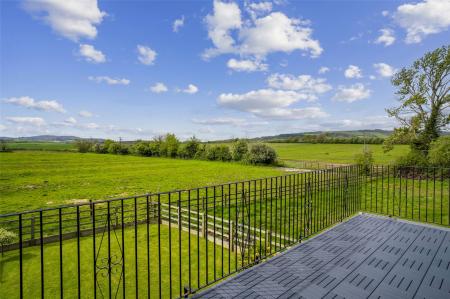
170, 146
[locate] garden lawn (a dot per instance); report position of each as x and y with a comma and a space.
31, 180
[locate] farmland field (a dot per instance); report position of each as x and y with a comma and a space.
335, 153
30, 180
42, 146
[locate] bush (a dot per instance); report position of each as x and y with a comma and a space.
143, 149
117, 148
240, 150
189, 148
6, 237
261, 154
201, 152
169, 146
83, 146
413, 158
439, 153
99, 148
365, 159
4, 146
218, 153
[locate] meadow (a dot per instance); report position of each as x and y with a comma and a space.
32, 179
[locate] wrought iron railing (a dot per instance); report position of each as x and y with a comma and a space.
173, 244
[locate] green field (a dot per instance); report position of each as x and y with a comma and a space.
30, 180
334, 153
42, 146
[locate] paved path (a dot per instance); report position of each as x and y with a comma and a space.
364, 257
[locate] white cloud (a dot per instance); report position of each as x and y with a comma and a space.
28, 102
258, 8
384, 69
159, 87
352, 93
257, 37
225, 17
91, 54
70, 120
146, 55
353, 71
323, 70
33, 121
3, 127
177, 24
246, 65
109, 80
85, 113
423, 18
386, 37
304, 83
385, 13
369, 122
220, 121
91, 126
191, 89
73, 19
269, 103
278, 33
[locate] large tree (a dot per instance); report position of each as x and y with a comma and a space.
423, 91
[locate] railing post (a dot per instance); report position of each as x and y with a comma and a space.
32, 222
231, 237
204, 224
179, 215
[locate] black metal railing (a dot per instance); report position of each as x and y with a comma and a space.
414, 193
173, 244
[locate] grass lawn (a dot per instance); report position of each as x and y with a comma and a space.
335, 153
9, 266
30, 179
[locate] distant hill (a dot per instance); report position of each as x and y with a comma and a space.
331, 134
46, 138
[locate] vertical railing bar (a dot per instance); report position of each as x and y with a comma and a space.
148, 246
78, 253
41, 244
61, 281
123, 247
189, 241
205, 227
198, 238
180, 261
94, 247
170, 244
434, 195
108, 217
21, 256
159, 246
222, 220
135, 247
214, 231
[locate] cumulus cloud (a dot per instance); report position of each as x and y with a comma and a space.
177, 24
258, 37
258, 8
146, 55
191, 89
159, 87
70, 120
91, 54
73, 19
384, 69
423, 18
386, 37
323, 70
24, 120
28, 102
352, 93
353, 71
270, 103
109, 80
246, 65
304, 83
85, 113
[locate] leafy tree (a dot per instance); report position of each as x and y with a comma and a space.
365, 159
424, 94
169, 146
240, 149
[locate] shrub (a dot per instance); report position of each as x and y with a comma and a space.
6, 237
189, 148
99, 148
218, 153
143, 149
83, 146
439, 153
365, 159
413, 158
261, 154
169, 146
240, 149
4, 146
201, 152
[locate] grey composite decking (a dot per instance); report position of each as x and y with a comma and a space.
365, 257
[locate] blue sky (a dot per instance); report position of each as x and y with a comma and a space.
213, 69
